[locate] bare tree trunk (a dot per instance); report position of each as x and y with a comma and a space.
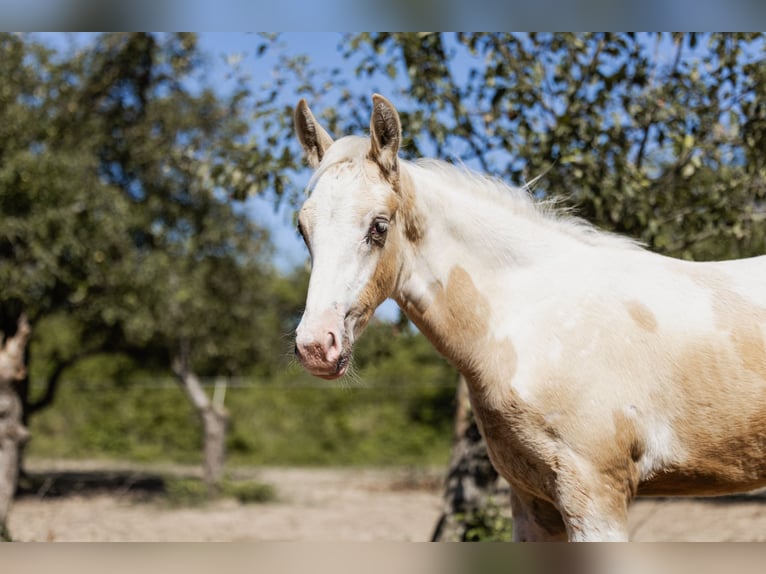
13, 434
215, 424
214, 421
472, 482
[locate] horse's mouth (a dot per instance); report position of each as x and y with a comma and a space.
340, 369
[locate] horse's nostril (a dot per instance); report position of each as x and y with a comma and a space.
296, 351
332, 340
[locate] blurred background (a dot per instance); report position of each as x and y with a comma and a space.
150, 272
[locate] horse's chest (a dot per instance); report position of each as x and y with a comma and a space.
518, 447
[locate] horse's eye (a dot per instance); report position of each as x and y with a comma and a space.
378, 231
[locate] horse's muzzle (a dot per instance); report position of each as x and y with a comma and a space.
322, 357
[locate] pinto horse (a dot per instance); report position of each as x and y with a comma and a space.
597, 370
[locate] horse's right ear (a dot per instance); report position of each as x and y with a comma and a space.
385, 134
314, 139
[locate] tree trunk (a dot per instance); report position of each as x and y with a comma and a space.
13, 434
214, 422
472, 482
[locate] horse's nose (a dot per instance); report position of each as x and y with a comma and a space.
318, 352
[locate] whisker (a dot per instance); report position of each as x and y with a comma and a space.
352, 379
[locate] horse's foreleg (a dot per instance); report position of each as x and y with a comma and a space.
600, 515
597, 529
535, 519
583, 518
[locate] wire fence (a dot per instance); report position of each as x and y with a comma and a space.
245, 382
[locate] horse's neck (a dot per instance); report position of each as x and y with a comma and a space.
470, 248
476, 232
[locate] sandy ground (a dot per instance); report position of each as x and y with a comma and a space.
336, 505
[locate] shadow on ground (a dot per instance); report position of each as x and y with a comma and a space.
57, 484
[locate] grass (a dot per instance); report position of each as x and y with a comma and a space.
181, 492
270, 425
249, 491
185, 492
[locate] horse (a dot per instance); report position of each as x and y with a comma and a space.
597, 370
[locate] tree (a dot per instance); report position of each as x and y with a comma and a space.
54, 210
13, 434
200, 264
206, 300
116, 172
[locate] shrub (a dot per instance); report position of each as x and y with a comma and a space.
488, 524
249, 491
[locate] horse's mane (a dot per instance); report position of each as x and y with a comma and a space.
349, 148
520, 201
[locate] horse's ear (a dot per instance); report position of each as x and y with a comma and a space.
314, 139
386, 134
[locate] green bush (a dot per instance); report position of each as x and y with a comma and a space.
186, 492
249, 491
183, 492
131, 421
396, 409
488, 524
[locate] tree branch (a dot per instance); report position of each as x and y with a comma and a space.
52, 387
188, 380
689, 241
653, 110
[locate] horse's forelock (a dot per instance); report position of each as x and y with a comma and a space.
349, 148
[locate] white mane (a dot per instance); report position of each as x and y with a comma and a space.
519, 201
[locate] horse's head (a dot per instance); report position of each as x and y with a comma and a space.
353, 234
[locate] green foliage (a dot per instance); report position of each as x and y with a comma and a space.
248, 491
116, 172
488, 524
103, 419
330, 425
62, 225
185, 492
298, 423
396, 410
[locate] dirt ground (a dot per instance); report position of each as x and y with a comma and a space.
328, 505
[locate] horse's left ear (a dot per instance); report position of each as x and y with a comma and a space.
385, 134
